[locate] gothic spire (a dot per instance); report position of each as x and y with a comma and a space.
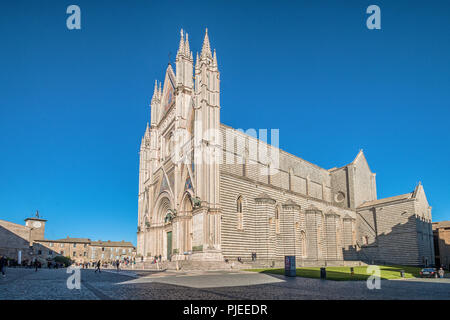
215, 59
181, 47
197, 61
155, 91
187, 50
147, 131
206, 48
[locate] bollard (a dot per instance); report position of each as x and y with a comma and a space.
323, 273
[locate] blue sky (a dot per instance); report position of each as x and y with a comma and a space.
74, 103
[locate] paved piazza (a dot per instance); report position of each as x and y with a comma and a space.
51, 284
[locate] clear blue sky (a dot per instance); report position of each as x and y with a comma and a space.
74, 104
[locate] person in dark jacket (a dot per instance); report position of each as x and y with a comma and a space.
36, 265
2, 265
98, 266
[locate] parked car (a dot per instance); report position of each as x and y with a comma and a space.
428, 273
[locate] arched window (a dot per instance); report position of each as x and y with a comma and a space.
240, 214
277, 220
366, 240
187, 205
303, 243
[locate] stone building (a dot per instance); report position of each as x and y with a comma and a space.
441, 235
82, 250
29, 243
111, 250
21, 240
75, 248
208, 192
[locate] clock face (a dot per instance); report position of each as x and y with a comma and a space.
36, 224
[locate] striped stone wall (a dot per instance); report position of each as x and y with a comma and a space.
394, 233
299, 217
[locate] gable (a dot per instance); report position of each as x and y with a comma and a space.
423, 209
168, 93
361, 162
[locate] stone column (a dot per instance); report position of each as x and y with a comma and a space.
288, 232
331, 236
265, 230
312, 239
206, 229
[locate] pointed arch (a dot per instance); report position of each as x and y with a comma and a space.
303, 251
277, 219
240, 212
186, 203
162, 206
185, 230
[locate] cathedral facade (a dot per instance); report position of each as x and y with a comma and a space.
208, 192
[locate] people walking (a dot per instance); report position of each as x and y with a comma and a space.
441, 273
2, 265
98, 266
118, 265
36, 264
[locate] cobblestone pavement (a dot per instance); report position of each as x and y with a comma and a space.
109, 284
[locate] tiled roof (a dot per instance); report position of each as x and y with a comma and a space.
386, 200
98, 243
440, 224
70, 240
112, 244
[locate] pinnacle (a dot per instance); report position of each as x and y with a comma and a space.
181, 49
155, 91
206, 48
215, 58
187, 50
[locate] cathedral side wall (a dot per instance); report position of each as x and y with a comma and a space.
244, 155
259, 233
391, 233
339, 185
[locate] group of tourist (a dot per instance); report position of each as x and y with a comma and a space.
4, 262
84, 265
156, 259
54, 265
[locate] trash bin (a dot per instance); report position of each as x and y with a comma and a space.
402, 273
323, 273
289, 266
